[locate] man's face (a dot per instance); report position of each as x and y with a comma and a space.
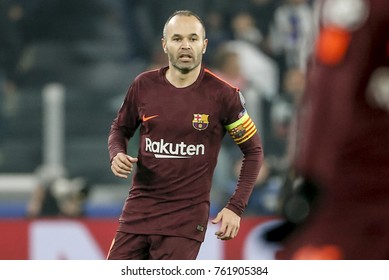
184, 43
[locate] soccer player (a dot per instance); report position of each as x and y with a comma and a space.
183, 112
344, 136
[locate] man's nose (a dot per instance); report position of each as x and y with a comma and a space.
185, 44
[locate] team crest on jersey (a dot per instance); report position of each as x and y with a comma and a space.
200, 121
238, 132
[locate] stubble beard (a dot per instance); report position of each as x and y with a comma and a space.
185, 69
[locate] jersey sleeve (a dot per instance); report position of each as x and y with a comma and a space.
244, 133
125, 124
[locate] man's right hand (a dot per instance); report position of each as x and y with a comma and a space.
122, 165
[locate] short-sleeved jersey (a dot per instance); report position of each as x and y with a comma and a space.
181, 131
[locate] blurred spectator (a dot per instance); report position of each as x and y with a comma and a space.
230, 63
60, 197
260, 73
226, 64
281, 114
293, 85
263, 13
244, 28
292, 33
281, 143
244, 65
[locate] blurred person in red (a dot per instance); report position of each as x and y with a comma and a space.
343, 136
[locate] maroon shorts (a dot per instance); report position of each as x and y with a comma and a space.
128, 246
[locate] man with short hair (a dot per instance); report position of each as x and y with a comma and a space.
183, 112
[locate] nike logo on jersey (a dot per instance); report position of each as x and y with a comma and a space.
145, 119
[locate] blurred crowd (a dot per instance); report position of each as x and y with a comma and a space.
96, 47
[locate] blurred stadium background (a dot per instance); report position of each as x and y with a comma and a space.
65, 66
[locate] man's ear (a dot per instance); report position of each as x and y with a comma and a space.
205, 46
164, 45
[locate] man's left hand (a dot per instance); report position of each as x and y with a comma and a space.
230, 224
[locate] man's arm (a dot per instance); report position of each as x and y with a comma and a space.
117, 140
251, 164
230, 215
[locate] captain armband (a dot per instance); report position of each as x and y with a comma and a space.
242, 129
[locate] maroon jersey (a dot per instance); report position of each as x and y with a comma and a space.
181, 131
345, 132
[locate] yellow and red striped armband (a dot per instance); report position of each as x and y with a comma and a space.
242, 130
